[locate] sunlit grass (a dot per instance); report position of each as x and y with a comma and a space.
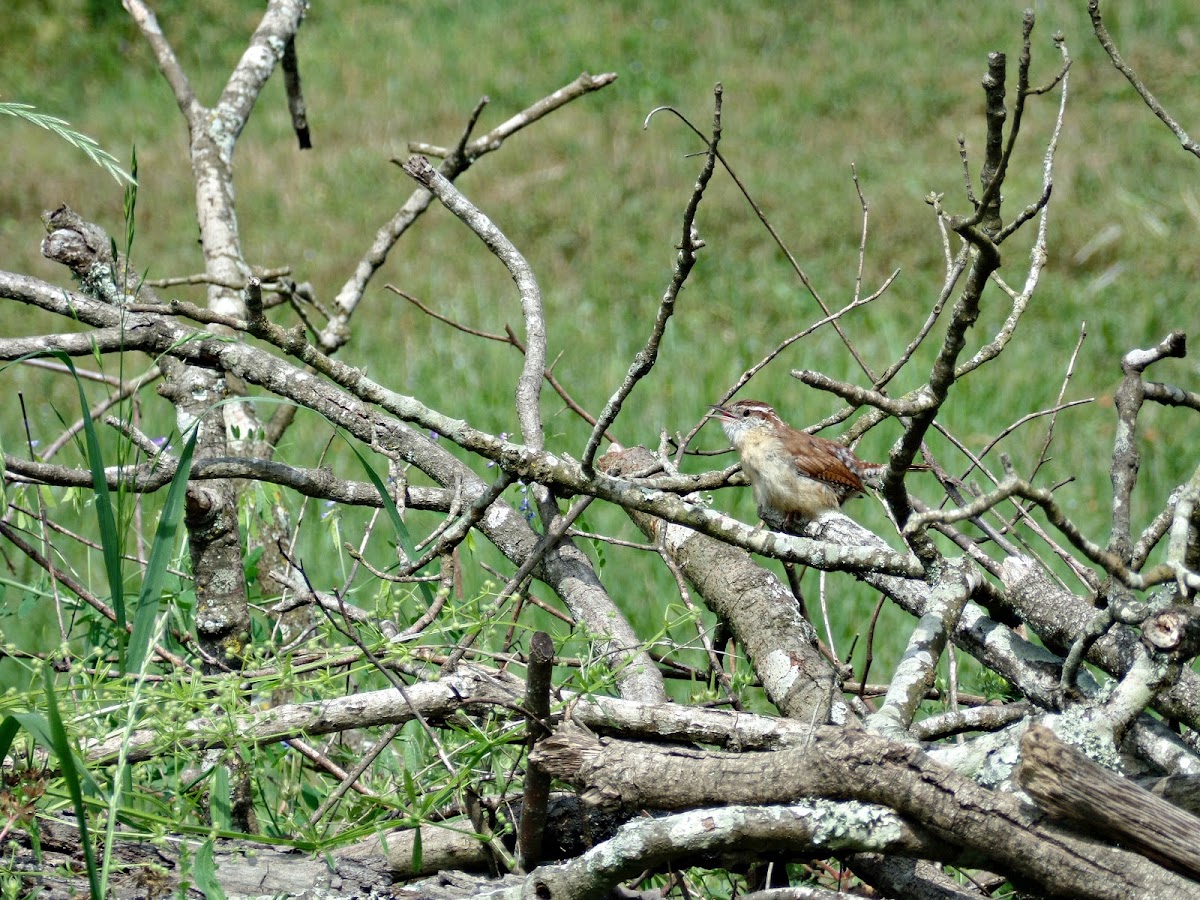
595, 202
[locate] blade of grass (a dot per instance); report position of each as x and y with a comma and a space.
130, 207
39, 730
109, 535
94, 151
8, 730
156, 564
37, 727
70, 773
218, 804
402, 535
418, 850
123, 786
3, 488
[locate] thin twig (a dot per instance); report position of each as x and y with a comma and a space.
745, 377
1131, 76
267, 276
869, 653
1062, 392
689, 244
124, 392
716, 669
954, 269
337, 332
800, 273
396, 683
510, 338
1083, 573
1051, 411
11, 534
862, 252
554, 533
295, 94
1112, 563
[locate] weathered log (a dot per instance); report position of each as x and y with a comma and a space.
1070, 786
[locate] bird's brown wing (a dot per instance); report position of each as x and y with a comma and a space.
825, 461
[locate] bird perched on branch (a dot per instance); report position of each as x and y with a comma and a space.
796, 476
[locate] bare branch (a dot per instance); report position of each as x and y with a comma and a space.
337, 332
745, 377
529, 385
1128, 400
510, 338
13, 536
1131, 76
952, 585
1111, 562
295, 95
171, 70
980, 824
157, 335
1070, 786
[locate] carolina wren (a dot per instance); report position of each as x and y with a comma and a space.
795, 475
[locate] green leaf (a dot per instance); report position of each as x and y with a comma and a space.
3, 488
95, 153
109, 536
37, 726
160, 555
8, 730
130, 206
410, 788
205, 872
70, 773
402, 535
39, 730
418, 850
411, 736
222, 815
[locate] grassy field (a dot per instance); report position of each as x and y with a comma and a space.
594, 201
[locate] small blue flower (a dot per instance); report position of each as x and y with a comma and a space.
503, 437
526, 507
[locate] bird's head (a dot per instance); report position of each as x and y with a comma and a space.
743, 417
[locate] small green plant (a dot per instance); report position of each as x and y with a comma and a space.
94, 151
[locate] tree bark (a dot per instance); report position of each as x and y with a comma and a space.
978, 826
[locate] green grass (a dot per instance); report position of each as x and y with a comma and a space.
594, 201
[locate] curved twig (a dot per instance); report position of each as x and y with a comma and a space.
688, 245
529, 384
1131, 76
